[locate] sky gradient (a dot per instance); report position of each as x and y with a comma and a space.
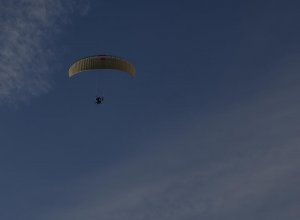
208, 129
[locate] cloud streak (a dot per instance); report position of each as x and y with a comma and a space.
240, 164
28, 31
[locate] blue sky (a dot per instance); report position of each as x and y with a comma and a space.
208, 129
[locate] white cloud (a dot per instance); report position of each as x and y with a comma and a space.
28, 29
228, 190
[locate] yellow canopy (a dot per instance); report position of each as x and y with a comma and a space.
101, 62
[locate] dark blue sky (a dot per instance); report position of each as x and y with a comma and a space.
208, 129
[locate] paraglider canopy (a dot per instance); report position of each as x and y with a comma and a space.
101, 62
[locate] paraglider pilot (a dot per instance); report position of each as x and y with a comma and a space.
99, 99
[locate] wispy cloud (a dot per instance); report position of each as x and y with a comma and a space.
28, 31
239, 164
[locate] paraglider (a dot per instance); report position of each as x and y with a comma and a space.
99, 99
99, 62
